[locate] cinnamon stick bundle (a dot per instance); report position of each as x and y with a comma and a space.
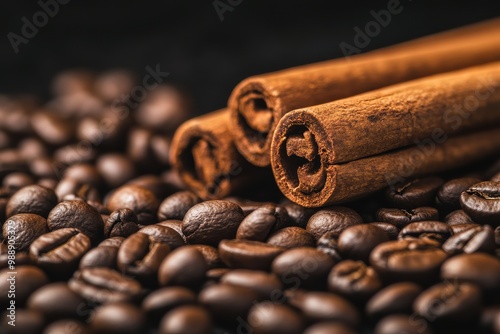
206, 159
259, 102
310, 144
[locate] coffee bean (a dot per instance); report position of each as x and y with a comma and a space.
32, 199
402, 217
291, 237
463, 227
184, 266
211, 256
269, 318
66, 326
112, 242
187, 319
102, 256
356, 242
175, 225
426, 229
354, 280
328, 244
52, 128
267, 285
116, 169
119, 318
414, 193
21, 258
24, 282
327, 327
27, 321
482, 202
476, 239
247, 254
22, 229
450, 303
303, 266
262, 222
60, 251
68, 189
164, 234
401, 323
214, 275
140, 200
17, 180
140, 256
176, 205
77, 214
497, 236
121, 223
248, 206
478, 268
84, 173
393, 299
391, 230
333, 219
163, 300
56, 301
211, 221
448, 196
416, 260
298, 215
153, 183
104, 285
324, 306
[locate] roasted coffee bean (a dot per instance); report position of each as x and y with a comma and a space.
356, 242
20, 259
32, 148
163, 300
112, 85
164, 234
67, 188
401, 323
262, 222
497, 236
328, 244
102, 256
489, 316
56, 301
247, 254
304, 267
393, 299
104, 285
449, 303
426, 229
269, 318
140, 200
266, 284
85, 173
121, 223
328, 327
43, 167
17, 180
248, 206
324, 306
66, 326
402, 217
448, 196
27, 322
115, 168
333, 219
496, 177
32, 199
479, 268
22, 229
187, 319
211, 256
176, 205
77, 214
477, 239
22, 284
60, 251
184, 266
291, 237
153, 183
414, 193
227, 302
391, 230
354, 280
463, 227
298, 215
214, 275
112, 242
52, 128
175, 225
482, 202
140, 256
211, 221
415, 260
118, 318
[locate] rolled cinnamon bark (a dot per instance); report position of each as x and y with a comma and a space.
355, 179
206, 159
259, 102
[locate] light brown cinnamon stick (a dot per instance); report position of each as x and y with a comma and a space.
258, 103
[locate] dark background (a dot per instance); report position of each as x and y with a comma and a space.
206, 55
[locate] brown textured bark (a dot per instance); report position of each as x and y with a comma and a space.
259, 102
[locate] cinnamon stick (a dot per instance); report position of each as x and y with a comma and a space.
206, 159
259, 102
310, 143
355, 179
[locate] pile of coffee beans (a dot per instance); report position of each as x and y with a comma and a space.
99, 235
